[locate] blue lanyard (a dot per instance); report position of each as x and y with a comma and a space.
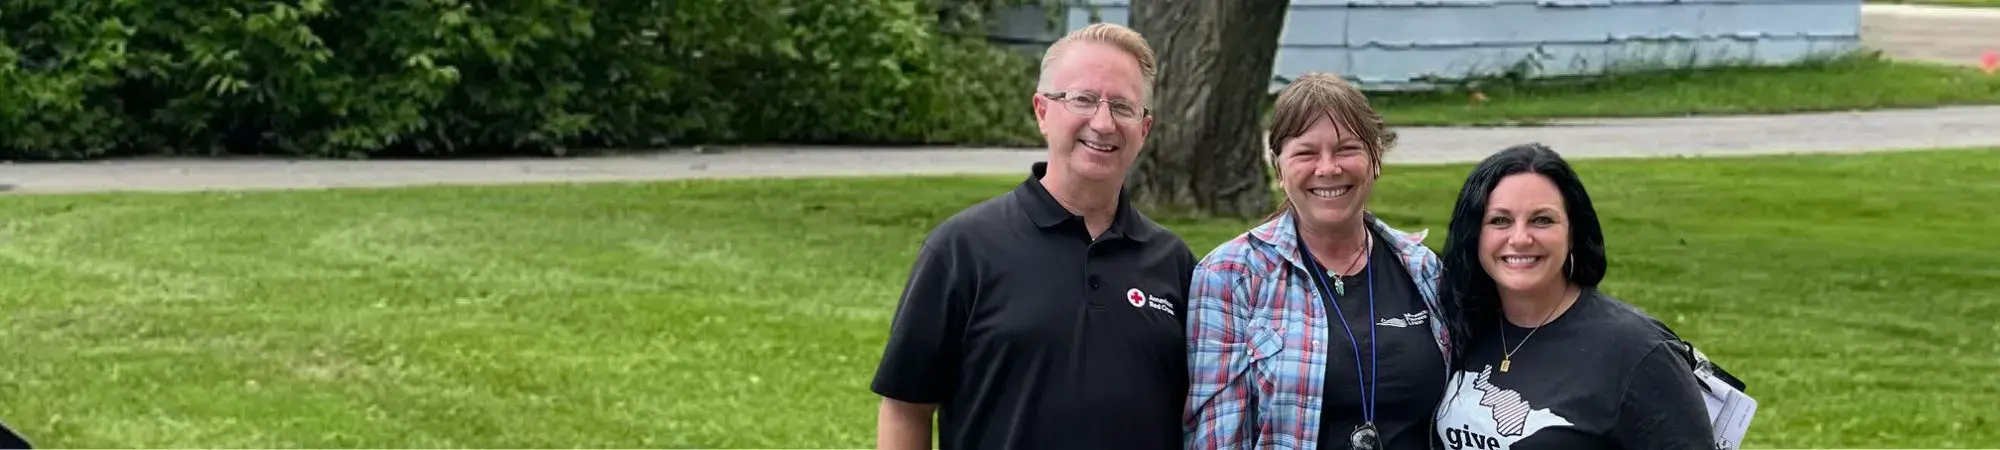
1367, 390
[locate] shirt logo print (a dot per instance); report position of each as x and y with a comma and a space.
1501, 418
1510, 412
1135, 297
1407, 320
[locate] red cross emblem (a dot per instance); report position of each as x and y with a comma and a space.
1137, 298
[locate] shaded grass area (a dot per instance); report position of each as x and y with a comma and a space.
1854, 82
1856, 295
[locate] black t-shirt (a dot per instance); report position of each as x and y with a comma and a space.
1601, 376
1030, 335
1411, 368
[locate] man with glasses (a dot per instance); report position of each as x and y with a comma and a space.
1050, 317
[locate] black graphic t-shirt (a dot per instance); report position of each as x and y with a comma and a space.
1601, 376
1409, 376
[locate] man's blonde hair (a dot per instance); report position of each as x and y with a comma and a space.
1117, 36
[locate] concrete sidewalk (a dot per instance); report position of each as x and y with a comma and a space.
1813, 133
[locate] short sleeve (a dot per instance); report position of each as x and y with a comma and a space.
1662, 406
920, 362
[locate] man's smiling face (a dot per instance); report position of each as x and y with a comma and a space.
1101, 146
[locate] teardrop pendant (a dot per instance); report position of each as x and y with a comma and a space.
1339, 287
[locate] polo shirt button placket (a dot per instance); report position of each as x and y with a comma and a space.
1091, 280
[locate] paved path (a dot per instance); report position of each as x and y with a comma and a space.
1817, 133
1931, 33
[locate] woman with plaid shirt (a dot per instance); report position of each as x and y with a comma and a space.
1295, 326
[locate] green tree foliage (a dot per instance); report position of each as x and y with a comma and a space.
455, 77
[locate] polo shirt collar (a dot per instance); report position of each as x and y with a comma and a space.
1046, 212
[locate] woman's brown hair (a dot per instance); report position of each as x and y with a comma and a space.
1316, 95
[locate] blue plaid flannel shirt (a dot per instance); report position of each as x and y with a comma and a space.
1256, 363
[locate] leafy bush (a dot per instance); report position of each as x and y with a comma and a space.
60, 63
458, 77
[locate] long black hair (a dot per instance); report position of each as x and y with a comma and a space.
1467, 290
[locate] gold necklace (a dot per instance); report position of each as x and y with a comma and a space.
1507, 356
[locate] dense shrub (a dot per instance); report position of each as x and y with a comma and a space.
59, 65
451, 77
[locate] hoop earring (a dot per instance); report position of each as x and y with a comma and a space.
1569, 264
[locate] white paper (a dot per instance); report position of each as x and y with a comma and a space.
1729, 410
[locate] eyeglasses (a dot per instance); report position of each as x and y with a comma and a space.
1084, 103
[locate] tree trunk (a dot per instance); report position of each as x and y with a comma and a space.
1215, 62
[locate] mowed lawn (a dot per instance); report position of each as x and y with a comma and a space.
1858, 295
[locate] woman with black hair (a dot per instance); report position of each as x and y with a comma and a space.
1541, 358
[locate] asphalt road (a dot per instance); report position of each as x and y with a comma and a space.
1929, 33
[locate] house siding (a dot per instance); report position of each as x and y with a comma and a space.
1387, 44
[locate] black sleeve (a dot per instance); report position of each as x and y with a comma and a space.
1662, 407
920, 363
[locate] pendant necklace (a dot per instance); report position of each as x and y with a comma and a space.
1364, 437
1339, 286
1507, 356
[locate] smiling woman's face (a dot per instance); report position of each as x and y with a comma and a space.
1524, 237
1327, 173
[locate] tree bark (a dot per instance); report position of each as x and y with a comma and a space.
1215, 62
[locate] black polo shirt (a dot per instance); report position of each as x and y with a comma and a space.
1030, 335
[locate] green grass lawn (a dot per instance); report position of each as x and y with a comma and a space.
1856, 294
1847, 83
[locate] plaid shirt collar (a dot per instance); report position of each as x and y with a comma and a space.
1282, 234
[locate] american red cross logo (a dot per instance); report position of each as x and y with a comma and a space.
1137, 298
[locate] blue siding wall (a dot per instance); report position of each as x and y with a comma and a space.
1395, 43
